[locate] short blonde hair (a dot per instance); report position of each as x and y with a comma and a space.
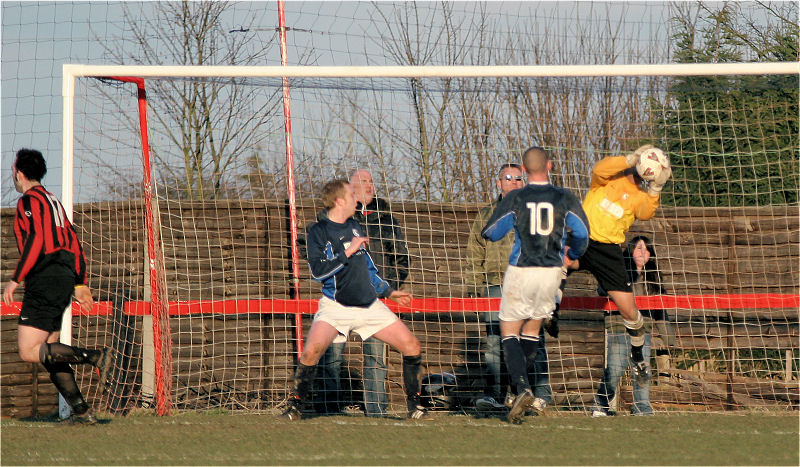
332, 191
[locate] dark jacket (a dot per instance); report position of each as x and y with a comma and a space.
649, 282
387, 245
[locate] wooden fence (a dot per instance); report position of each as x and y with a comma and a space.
226, 250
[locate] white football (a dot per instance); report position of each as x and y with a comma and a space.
651, 163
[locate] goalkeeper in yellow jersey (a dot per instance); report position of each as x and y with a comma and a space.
613, 203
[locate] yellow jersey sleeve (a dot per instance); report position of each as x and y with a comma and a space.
606, 169
614, 203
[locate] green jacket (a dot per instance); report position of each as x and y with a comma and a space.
486, 261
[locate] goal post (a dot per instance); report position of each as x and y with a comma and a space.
71, 71
227, 333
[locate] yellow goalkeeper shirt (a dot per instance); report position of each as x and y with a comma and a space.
613, 202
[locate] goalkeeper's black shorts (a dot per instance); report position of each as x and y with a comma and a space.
605, 262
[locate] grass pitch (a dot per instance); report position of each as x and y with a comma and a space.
563, 439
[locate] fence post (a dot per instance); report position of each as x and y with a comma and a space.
35, 389
731, 267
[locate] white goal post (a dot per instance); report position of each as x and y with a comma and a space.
72, 71
574, 391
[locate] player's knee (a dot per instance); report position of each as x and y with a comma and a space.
28, 356
29, 353
312, 354
626, 303
411, 348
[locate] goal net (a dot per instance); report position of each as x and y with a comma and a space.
206, 296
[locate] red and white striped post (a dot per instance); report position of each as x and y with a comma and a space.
162, 343
287, 118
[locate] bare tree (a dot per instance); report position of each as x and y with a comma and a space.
460, 129
205, 131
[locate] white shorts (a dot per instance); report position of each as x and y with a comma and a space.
529, 293
364, 321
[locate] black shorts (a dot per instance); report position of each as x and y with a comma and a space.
605, 262
47, 295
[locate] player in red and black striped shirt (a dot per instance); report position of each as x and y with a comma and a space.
54, 269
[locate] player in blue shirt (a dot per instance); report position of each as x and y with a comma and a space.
541, 215
339, 258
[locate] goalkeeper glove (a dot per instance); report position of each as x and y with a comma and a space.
655, 186
633, 158
551, 325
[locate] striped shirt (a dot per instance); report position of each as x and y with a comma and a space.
44, 234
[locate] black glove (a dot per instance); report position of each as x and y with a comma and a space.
551, 325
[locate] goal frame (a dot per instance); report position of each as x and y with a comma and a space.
137, 74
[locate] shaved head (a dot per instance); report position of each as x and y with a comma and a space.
536, 161
360, 173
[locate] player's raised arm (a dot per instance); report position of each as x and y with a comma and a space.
663, 172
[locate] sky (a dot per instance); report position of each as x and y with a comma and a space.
39, 37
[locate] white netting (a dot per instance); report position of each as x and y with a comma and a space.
435, 159
726, 235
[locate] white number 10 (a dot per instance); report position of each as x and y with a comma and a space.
541, 224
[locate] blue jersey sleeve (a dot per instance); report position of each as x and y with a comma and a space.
579, 225
502, 219
323, 260
381, 286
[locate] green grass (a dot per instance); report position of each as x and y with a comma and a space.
218, 438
